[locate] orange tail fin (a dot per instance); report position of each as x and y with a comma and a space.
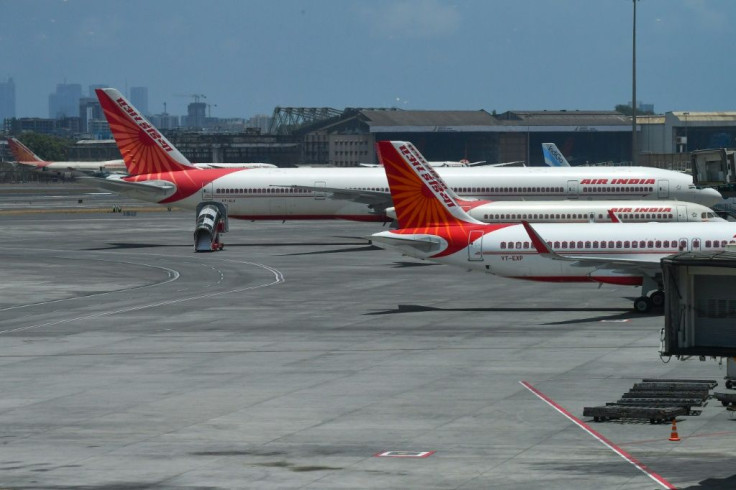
421, 198
21, 152
145, 150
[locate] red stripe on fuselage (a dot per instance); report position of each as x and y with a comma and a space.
616, 280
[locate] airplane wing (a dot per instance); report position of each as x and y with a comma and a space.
378, 201
425, 244
150, 190
516, 163
646, 267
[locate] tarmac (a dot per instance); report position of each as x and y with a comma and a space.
302, 356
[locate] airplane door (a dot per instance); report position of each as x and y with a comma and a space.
208, 192
319, 195
681, 213
663, 189
682, 245
572, 188
695, 245
475, 245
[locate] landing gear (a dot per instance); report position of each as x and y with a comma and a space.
643, 304
657, 298
652, 295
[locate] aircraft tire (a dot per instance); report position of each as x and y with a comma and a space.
657, 298
643, 304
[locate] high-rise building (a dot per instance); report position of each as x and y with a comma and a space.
65, 102
195, 118
139, 98
7, 100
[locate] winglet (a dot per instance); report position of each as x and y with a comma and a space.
420, 196
552, 156
539, 244
612, 215
145, 150
21, 152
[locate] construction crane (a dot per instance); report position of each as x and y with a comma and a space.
196, 97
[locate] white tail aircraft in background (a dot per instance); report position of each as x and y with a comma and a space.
24, 156
433, 226
552, 156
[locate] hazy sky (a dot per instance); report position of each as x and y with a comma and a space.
248, 56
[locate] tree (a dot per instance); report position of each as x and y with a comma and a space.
47, 147
628, 111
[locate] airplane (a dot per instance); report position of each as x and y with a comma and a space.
552, 156
432, 226
159, 173
24, 156
582, 211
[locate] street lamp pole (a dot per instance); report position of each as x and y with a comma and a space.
633, 91
686, 142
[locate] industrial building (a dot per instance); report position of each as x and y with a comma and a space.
326, 136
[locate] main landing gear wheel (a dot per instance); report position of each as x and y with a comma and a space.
657, 298
643, 304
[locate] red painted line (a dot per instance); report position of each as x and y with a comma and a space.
610, 445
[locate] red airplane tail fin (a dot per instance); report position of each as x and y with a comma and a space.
21, 152
421, 198
145, 150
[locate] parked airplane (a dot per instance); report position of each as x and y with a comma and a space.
433, 226
552, 156
582, 211
160, 173
24, 156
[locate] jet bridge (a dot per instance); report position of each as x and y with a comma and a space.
700, 304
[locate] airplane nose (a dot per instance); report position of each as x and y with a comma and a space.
709, 196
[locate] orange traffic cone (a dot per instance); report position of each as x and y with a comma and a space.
673, 435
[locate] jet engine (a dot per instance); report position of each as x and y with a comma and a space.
211, 223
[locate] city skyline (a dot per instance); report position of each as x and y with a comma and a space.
249, 57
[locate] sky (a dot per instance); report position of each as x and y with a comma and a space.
249, 56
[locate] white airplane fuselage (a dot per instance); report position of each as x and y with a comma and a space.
266, 194
584, 211
59, 166
507, 251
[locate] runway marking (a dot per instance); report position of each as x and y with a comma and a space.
404, 454
603, 440
278, 278
173, 276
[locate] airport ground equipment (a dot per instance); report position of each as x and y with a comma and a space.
700, 304
715, 168
656, 400
211, 223
726, 399
655, 415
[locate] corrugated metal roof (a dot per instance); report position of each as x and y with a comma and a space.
649, 119
428, 118
564, 118
689, 117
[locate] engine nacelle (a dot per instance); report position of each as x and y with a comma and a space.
211, 223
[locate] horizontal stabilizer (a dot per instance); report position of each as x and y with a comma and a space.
149, 190
427, 244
